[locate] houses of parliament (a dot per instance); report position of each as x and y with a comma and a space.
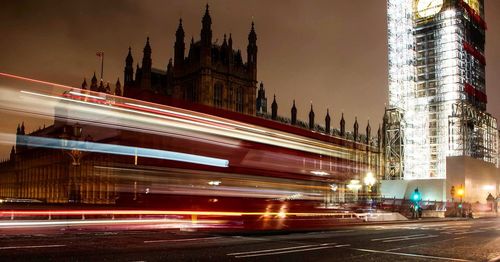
206, 73
207, 77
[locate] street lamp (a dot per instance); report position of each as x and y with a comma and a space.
369, 182
460, 193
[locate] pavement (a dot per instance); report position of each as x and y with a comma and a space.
441, 240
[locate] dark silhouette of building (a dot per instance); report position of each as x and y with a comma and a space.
210, 73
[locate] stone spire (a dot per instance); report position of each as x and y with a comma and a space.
294, 113
342, 125
311, 118
327, 121
274, 109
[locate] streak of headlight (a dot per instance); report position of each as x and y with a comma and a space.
178, 222
15, 213
267, 132
87, 146
276, 138
294, 142
85, 95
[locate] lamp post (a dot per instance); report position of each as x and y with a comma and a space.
369, 182
460, 193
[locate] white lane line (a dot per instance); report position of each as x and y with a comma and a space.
284, 252
180, 240
268, 250
408, 254
343, 231
345, 245
404, 239
457, 238
486, 228
250, 238
469, 232
386, 238
28, 247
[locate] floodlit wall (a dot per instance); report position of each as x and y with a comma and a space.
478, 177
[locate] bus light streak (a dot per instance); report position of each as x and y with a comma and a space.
121, 150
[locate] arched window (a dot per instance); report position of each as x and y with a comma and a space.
218, 94
239, 99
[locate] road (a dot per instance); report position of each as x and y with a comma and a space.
462, 240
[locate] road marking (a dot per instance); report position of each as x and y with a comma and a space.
284, 252
469, 232
457, 238
495, 259
27, 247
179, 240
251, 238
343, 231
268, 250
345, 245
385, 238
404, 239
409, 255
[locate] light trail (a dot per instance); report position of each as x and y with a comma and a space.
88, 146
262, 135
51, 213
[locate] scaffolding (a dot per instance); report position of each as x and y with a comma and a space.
393, 148
473, 133
436, 62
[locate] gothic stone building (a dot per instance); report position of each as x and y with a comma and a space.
211, 74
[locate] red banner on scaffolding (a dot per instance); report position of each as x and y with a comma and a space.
473, 92
475, 53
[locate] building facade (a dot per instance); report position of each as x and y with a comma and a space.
209, 83
207, 73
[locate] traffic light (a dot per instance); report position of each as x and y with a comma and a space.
416, 197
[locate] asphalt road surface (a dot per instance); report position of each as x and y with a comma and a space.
463, 240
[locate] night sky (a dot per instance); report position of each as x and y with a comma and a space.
332, 53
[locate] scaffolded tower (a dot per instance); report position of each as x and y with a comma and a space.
437, 84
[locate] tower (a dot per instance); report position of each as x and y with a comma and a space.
274, 108
342, 125
356, 129
252, 52
437, 91
118, 88
261, 103
129, 69
93, 83
146, 66
294, 113
206, 39
368, 133
311, 118
179, 47
327, 121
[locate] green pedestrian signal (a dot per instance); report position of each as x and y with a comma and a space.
416, 197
